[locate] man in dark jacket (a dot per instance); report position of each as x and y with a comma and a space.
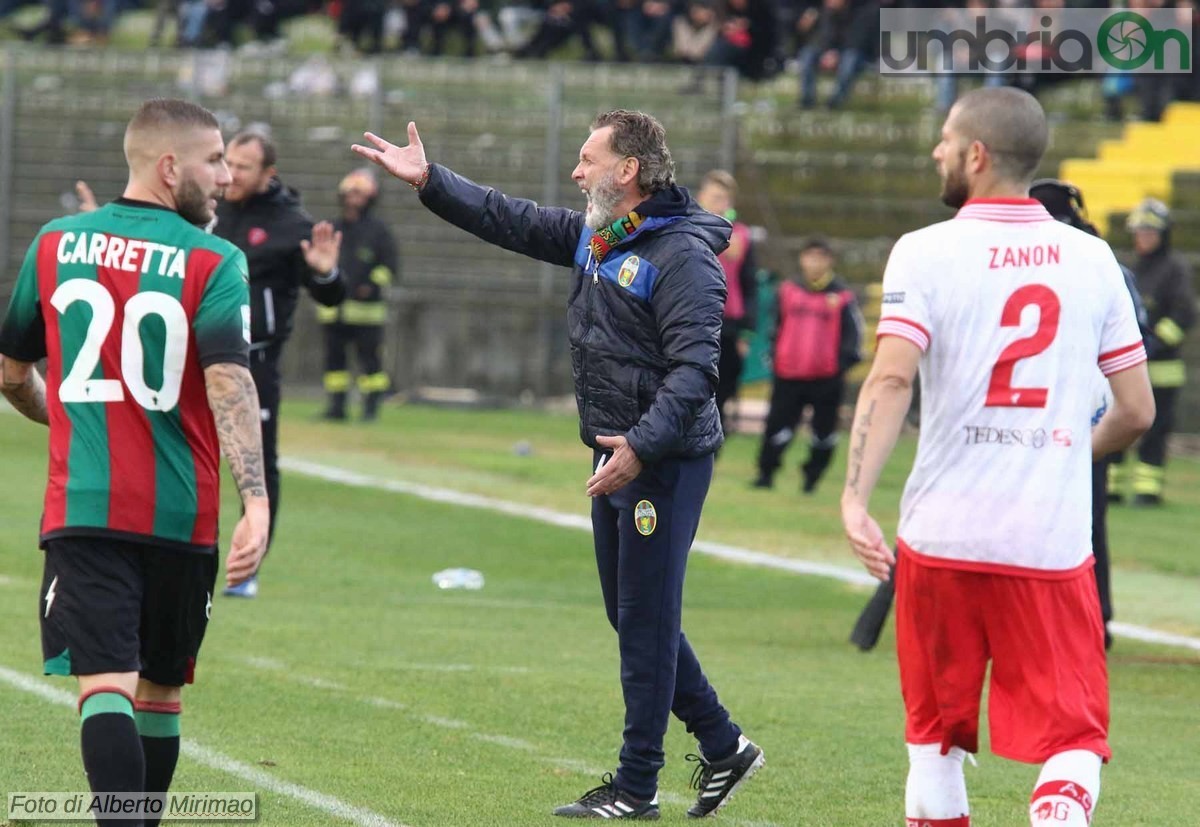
367, 265
266, 222
644, 322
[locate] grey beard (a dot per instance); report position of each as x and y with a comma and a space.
604, 200
594, 219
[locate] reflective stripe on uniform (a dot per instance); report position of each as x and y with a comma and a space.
1148, 479
1118, 477
1169, 331
337, 381
363, 313
354, 312
1168, 373
373, 382
382, 276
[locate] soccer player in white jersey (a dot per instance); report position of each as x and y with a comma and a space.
1007, 313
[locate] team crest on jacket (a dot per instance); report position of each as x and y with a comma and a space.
625, 277
256, 236
645, 518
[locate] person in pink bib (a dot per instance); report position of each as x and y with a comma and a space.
818, 337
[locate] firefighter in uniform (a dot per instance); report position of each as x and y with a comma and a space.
1165, 282
368, 265
817, 339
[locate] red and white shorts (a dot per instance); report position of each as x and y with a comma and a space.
1045, 638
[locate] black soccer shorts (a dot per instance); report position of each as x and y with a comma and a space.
113, 605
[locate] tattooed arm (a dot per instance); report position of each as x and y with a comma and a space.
234, 403
24, 389
882, 404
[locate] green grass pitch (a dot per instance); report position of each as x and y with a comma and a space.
353, 679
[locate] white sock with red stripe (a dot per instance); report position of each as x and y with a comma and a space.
1066, 790
936, 793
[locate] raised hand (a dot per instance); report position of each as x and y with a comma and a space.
87, 198
322, 252
404, 162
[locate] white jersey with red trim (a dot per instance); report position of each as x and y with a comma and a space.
1013, 312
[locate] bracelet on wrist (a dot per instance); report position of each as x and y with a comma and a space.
423, 180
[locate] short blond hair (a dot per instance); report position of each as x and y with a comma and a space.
160, 117
721, 178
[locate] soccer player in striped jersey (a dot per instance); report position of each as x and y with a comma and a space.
143, 320
1008, 314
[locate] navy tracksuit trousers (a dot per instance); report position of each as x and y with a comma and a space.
642, 565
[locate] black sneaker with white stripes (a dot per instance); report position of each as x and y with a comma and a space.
716, 780
606, 801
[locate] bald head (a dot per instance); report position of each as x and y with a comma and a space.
165, 126
1010, 123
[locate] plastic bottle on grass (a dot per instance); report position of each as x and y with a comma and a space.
459, 579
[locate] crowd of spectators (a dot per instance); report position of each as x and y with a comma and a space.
759, 38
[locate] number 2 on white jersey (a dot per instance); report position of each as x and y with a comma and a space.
1001, 393
78, 386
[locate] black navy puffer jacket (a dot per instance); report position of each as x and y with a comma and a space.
644, 324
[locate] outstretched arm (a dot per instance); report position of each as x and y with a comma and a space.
234, 403
548, 234
24, 389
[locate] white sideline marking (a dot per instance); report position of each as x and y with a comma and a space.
217, 761
1148, 635
273, 665
321, 683
447, 723
718, 550
385, 703
546, 515
507, 741
263, 663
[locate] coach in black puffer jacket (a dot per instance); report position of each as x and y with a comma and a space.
644, 320
644, 355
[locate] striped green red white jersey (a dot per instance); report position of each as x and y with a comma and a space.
128, 305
